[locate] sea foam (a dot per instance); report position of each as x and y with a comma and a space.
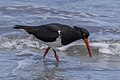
108, 47
21, 40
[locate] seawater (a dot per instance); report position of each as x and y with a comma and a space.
22, 53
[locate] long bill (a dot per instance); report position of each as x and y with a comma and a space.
88, 47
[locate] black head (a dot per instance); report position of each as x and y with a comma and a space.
82, 31
84, 34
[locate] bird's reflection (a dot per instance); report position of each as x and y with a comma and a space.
50, 69
47, 63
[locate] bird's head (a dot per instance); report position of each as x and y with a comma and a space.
84, 34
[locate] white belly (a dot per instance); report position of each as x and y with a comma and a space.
55, 44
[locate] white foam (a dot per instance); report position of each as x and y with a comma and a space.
109, 47
11, 8
18, 40
84, 15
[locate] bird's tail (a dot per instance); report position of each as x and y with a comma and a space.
19, 27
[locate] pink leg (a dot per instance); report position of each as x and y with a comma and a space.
46, 51
56, 56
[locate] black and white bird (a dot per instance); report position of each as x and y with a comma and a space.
55, 34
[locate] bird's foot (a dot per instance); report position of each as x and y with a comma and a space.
55, 54
46, 51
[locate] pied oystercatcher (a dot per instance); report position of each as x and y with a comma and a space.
55, 34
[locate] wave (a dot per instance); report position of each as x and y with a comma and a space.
20, 40
108, 47
21, 14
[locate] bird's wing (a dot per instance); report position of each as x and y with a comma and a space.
44, 33
49, 32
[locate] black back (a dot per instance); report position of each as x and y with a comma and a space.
49, 32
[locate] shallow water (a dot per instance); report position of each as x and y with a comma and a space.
28, 64
21, 58
21, 55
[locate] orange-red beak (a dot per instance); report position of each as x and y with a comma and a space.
88, 47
